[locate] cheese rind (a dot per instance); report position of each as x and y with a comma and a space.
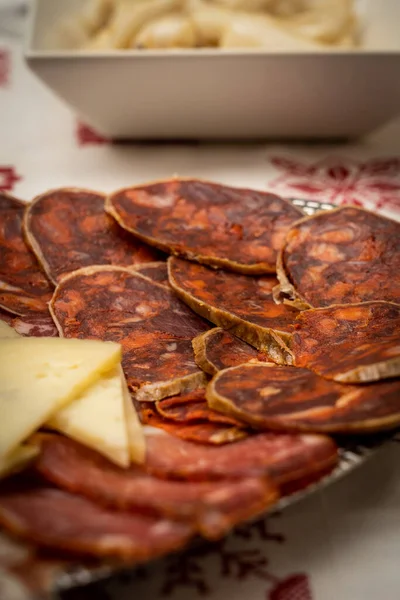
136, 438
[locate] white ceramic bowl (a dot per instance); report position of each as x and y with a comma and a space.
214, 94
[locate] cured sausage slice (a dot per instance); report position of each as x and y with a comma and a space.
212, 507
341, 256
187, 408
57, 519
156, 271
294, 399
68, 229
350, 342
154, 328
285, 458
201, 432
242, 304
218, 349
239, 229
39, 325
23, 287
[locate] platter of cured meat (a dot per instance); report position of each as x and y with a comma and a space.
178, 358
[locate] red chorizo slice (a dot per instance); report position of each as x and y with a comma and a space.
351, 343
155, 271
212, 507
341, 256
24, 289
239, 229
68, 229
284, 458
60, 520
154, 328
40, 325
242, 304
200, 432
294, 399
218, 349
187, 408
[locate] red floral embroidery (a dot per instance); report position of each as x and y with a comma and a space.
373, 183
86, 136
5, 67
8, 178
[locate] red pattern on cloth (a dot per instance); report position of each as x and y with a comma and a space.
86, 136
5, 67
373, 183
8, 178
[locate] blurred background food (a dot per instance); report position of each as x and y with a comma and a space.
276, 25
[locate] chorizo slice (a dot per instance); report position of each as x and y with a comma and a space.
24, 289
59, 520
187, 408
39, 325
238, 229
343, 256
218, 349
155, 271
295, 399
212, 507
351, 343
68, 228
154, 327
242, 304
200, 432
284, 458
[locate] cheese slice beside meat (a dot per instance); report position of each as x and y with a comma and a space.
135, 432
7, 332
18, 459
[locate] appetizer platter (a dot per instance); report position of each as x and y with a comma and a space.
180, 357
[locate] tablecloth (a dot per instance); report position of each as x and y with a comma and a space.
339, 544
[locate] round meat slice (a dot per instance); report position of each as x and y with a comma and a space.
239, 229
59, 520
155, 271
39, 325
285, 458
154, 328
68, 229
294, 399
242, 304
24, 289
218, 349
188, 408
212, 507
351, 343
341, 256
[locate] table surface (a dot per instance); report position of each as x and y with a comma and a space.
339, 544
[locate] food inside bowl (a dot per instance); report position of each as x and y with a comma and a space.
170, 24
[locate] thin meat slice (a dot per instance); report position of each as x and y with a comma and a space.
200, 432
60, 520
39, 325
293, 399
188, 408
155, 271
154, 328
351, 343
284, 458
242, 304
68, 228
239, 229
218, 349
24, 289
342, 256
212, 507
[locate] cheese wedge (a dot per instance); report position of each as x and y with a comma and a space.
136, 439
19, 458
7, 332
39, 376
97, 418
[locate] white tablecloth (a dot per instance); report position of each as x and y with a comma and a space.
340, 544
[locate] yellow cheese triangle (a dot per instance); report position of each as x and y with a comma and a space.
97, 418
136, 438
17, 460
38, 376
7, 332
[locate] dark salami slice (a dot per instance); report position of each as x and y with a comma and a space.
242, 304
294, 399
57, 519
23, 287
218, 349
40, 325
212, 507
154, 328
341, 256
239, 229
68, 229
200, 432
156, 271
187, 408
350, 343
285, 458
